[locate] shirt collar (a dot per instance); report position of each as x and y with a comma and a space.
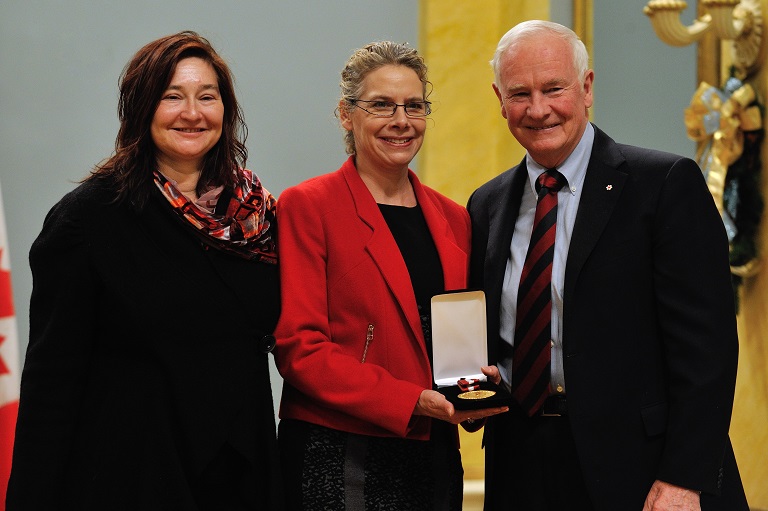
574, 168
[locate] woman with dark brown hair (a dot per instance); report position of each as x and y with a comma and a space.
156, 291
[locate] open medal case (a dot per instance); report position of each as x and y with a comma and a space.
460, 348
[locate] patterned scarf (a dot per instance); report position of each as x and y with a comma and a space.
245, 228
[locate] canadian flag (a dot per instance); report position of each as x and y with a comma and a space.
9, 362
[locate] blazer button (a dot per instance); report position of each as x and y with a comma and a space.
267, 343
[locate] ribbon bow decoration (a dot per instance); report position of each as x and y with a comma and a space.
719, 120
722, 117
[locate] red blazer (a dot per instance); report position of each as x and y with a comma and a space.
342, 271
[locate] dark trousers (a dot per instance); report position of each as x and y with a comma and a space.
536, 466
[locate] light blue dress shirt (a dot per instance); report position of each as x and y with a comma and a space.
574, 168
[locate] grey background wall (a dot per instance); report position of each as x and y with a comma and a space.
60, 62
641, 84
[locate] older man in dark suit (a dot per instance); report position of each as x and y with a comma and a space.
610, 309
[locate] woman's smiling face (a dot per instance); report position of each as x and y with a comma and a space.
188, 120
386, 142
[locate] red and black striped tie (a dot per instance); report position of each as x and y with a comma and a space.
533, 323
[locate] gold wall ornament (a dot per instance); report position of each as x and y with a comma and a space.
750, 269
740, 22
720, 119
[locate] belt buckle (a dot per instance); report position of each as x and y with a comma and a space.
545, 413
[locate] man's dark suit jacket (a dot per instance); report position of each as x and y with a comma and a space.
649, 328
144, 379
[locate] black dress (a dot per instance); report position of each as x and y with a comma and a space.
326, 469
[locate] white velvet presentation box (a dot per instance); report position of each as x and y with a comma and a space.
460, 349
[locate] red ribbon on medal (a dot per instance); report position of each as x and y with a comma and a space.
467, 385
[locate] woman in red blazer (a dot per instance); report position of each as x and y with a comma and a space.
363, 250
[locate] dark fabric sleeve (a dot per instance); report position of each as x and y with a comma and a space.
63, 305
698, 327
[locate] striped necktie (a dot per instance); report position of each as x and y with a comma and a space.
533, 324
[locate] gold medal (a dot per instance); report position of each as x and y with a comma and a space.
477, 394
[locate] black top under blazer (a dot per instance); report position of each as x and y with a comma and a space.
146, 383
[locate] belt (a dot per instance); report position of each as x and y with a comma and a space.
554, 406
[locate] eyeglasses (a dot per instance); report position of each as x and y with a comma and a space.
381, 108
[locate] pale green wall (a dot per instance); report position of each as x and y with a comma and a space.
641, 84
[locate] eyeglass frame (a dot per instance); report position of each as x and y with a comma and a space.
427, 104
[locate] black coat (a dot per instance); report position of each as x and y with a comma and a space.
146, 383
649, 328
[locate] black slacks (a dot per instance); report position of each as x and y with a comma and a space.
543, 468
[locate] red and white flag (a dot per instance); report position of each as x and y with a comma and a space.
9, 362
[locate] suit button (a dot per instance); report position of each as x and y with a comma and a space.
267, 344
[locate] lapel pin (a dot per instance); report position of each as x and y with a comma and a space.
609, 187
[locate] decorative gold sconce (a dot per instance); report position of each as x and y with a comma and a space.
738, 21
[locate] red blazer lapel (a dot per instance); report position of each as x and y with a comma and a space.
455, 260
383, 249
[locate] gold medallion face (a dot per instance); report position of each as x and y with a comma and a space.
477, 394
